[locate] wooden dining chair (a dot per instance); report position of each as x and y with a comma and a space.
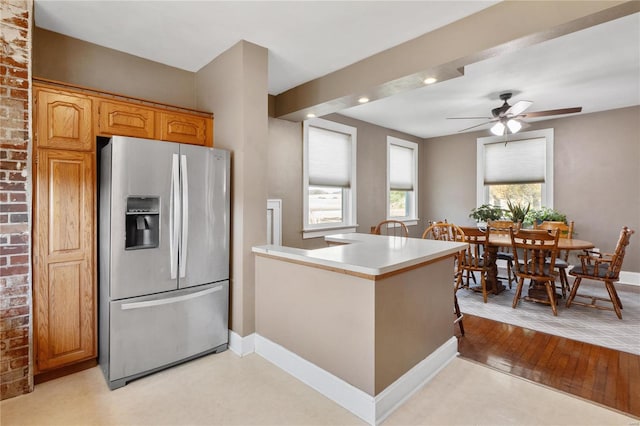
535, 253
393, 228
562, 261
443, 231
604, 267
447, 233
501, 227
475, 257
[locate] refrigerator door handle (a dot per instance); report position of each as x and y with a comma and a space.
168, 300
184, 183
174, 216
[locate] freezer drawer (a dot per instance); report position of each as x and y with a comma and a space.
151, 332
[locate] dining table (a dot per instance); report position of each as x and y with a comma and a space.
504, 240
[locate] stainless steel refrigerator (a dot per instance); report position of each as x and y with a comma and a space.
164, 255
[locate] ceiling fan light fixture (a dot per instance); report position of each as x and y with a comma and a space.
498, 129
514, 126
508, 119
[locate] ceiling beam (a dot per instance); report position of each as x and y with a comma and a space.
444, 52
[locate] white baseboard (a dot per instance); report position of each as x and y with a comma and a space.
241, 346
630, 278
371, 409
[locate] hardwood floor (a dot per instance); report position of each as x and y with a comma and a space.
602, 375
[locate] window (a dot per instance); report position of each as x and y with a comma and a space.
520, 169
329, 168
402, 180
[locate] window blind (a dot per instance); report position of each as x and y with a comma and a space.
329, 158
522, 161
401, 168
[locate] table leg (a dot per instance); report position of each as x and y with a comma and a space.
538, 292
493, 283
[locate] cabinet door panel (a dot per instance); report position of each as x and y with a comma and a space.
64, 293
64, 121
65, 281
184, 128
65, 196
126, 120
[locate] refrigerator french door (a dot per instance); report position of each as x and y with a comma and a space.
164, 255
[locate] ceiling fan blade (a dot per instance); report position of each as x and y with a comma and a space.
477, 125
518, 108
468, 118
552, 112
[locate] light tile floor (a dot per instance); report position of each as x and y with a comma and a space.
225, 389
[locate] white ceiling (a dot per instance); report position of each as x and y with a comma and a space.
597, 68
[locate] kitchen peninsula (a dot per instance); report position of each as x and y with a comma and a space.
366, 321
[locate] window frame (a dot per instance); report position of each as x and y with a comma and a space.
349, 195
412, 219
482, 190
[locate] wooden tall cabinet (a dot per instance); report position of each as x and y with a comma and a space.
64, 230
65, 284
67, 122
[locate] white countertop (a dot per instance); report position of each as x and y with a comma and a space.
366, 253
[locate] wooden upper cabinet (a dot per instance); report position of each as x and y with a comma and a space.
70, 119
118, 118
185, 128
64, 251
64, 120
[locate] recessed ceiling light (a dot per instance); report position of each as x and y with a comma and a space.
430, 80
311, 115
363, 100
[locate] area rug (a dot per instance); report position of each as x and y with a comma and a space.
602, 328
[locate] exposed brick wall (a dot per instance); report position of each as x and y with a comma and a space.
16, 370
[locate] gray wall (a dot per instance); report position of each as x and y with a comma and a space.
61, 58
234, 85
285, 176
372, 171
596, 176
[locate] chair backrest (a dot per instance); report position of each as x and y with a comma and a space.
502, 226
534, 252
392, 228
566, 230
618, 256
478, 250
443, 231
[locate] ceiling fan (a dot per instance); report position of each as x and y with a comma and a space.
508, 118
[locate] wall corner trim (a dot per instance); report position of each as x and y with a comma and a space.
241, 346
